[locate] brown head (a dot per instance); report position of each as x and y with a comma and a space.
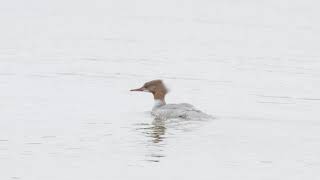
156, 87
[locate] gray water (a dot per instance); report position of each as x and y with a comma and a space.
66, 69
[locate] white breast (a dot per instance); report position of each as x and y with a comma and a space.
158, 104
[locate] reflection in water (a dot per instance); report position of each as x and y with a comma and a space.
159, 130
155, 132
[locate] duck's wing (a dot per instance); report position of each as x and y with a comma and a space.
182, 106
183, 111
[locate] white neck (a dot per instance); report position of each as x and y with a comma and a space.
158, 103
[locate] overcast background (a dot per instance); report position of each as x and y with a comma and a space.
66, 68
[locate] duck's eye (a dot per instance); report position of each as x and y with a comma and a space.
151, 88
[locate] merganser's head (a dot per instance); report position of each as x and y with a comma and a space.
156, 87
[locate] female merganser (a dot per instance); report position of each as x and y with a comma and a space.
161, 110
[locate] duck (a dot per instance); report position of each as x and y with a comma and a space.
162, 110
